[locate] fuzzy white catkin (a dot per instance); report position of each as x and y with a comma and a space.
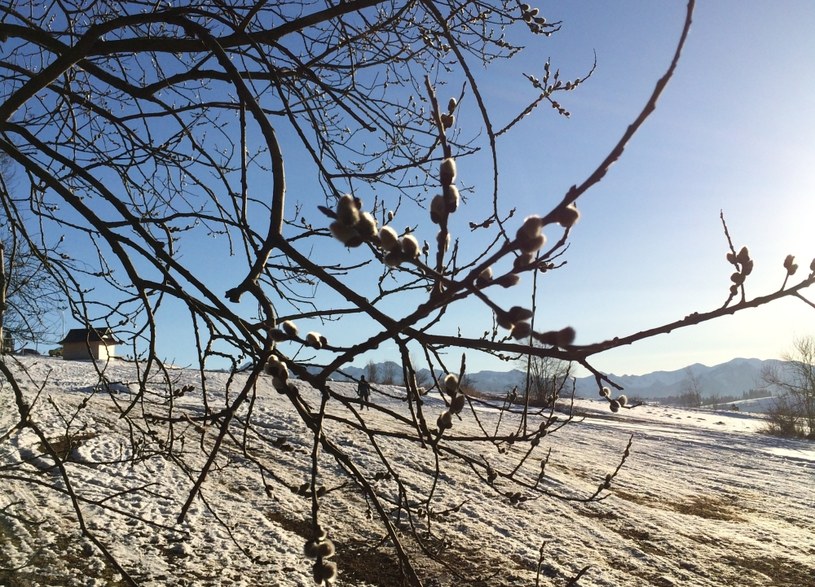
437, 209
451, 198
366, 226
388, 238
568, 216
532, 245
484, 277
342, 232
443, 240
289, 328
347, 211
530, 228
325, 548
457, 403
313, 340
410, 246
447, 171
393, 258
451, 382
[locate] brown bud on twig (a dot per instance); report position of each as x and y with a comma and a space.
508, 280
451, 105
790, 265
743, 256
523, 260
605, 392
310, 549
614, 405
622, 400
289, 328
503, 319
457, 403
521, 330
319, 548
447, 120
445, 420
324, 572
519, 314
565, 336
559, 338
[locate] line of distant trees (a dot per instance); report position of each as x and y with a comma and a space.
694, 399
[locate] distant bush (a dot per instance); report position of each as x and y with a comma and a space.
794, 411
784, 419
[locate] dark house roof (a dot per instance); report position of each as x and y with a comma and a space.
103, 334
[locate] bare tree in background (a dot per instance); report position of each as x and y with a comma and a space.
794, 410
143, 133
30, 299
691, 396
388, 373
547, 377
372, 372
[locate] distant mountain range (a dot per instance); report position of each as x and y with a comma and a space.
732, 378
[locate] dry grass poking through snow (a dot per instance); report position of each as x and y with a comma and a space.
703, 501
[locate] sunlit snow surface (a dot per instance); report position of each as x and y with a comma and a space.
704, 499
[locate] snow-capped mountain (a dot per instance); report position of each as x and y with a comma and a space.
732, 378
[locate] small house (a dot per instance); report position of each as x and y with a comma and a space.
89, 343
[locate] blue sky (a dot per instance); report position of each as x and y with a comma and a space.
733, 132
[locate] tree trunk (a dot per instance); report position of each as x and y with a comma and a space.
2, 296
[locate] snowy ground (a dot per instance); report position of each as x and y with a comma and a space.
704, 498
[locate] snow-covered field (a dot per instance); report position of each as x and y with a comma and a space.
704, 499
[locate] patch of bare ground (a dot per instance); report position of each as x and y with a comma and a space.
708, 507
635, 497
773, 571
372, 561
39, 569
